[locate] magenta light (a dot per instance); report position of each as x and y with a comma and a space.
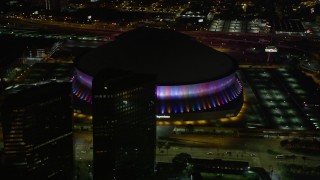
179, 91
173, 99
84, 79
193, 90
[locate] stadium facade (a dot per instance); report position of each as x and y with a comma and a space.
194, 81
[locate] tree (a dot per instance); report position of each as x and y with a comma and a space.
181, 161
293, 157
160, 144
304, 158
167, 146
189, 128
295, 142
284, 143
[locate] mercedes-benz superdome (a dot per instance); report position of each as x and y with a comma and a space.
194, 81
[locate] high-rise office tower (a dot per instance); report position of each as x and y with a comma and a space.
123, 125
37, 131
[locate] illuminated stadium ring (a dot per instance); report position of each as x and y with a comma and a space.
201, 102
191, 77
194, 90
210, 95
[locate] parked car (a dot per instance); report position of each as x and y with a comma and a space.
280, 156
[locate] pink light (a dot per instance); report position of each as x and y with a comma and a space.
84, 79
192, 90
179, 98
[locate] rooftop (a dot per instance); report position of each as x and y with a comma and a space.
175, 58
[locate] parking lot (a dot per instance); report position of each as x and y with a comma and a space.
282, 96
254, 26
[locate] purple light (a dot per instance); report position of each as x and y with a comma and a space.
84, 79
177, 99
180, 91
193, 90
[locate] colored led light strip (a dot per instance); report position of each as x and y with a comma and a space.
194, 90
176, 99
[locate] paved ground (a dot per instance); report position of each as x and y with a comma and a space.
282, 94
252, 150
83, 154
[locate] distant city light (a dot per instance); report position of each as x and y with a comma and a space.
162, 117
271, 49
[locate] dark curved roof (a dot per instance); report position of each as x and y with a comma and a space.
175, 58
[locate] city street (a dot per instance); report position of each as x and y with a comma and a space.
259, 152
83, 154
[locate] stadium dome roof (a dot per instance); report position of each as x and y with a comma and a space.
175, 58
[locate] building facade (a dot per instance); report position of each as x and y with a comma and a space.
37, 131
123, 125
